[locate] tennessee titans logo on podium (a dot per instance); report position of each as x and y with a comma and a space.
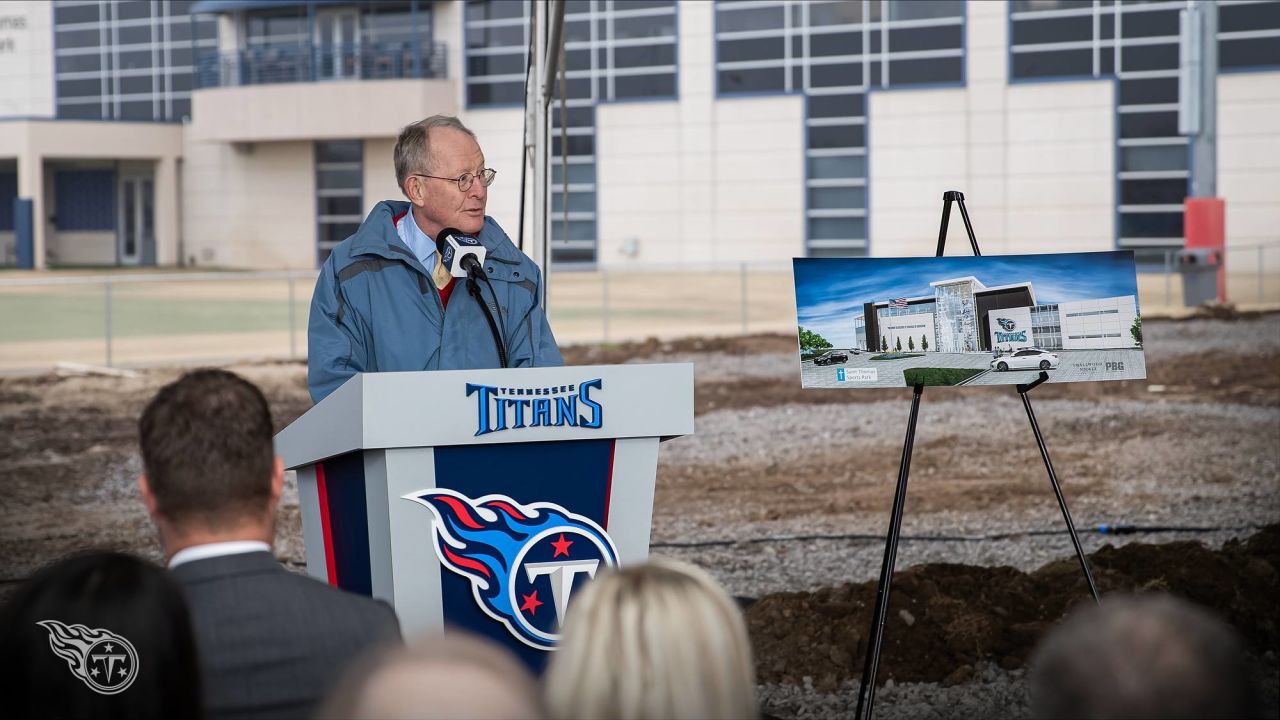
523, 561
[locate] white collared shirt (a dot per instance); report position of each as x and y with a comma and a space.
423, 247
218, 549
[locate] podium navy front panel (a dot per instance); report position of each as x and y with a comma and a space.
575, 475
345, 521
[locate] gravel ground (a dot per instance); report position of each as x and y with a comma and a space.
1245, 336
1124, 462
991, 693
770, 466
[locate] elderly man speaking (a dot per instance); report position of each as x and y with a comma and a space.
385, 301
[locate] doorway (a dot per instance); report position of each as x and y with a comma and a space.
338, 41
136, 240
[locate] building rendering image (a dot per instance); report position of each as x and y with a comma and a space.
934, 321
257, 133
963, 315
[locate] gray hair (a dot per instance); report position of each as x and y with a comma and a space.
413, 147
1148, 655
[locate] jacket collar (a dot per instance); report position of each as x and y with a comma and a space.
377, 236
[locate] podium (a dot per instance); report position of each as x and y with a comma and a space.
481, 499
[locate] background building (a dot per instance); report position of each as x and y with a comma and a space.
963, 315
256, 134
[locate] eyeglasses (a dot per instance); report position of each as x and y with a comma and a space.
465, 179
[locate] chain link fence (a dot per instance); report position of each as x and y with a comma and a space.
120, 319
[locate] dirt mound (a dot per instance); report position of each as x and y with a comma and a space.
943, 618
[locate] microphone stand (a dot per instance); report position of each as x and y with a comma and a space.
473, 288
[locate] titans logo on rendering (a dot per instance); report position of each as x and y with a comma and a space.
523, 561
1006, 323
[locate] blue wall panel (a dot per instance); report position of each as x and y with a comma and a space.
86, 199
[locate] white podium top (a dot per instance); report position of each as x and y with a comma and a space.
469, 407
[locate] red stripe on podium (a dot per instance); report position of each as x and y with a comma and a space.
608, 487
331, 568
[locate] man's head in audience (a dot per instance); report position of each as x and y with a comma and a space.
210, 473
1149, 656
452, 675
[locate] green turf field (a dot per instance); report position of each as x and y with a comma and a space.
78, 314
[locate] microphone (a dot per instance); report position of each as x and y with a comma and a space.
461, 254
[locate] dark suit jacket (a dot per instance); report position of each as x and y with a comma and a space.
273, 642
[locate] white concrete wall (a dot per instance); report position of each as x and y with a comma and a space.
498, 132
26, 58
908, 329
701, 180
73, 247
1115, 323
379, 172
1249, 159
317, 110
1034, 160
250, 206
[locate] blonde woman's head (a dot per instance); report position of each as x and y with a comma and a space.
658, 640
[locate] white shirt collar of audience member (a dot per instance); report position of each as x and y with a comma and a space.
218, 549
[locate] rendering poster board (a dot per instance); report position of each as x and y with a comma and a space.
990, 320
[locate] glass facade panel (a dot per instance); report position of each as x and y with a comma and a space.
955, 318
834, 52
111, 59
1152, 157
339, 193
614, 51
832, 168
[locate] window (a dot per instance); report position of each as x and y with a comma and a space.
339, 193
613, 51
1064, 39
111, 59
833, 51
1249, 35
8, 192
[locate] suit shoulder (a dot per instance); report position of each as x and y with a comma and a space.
323, 593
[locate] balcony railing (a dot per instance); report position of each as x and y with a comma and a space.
267, 64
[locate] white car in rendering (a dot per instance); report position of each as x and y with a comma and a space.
1027, 359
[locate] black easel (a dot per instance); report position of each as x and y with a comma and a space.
872, 663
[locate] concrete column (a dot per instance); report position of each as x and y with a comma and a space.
166, 199
31, 185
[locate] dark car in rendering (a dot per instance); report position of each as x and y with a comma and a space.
831, 357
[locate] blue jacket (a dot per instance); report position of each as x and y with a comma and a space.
376, 309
